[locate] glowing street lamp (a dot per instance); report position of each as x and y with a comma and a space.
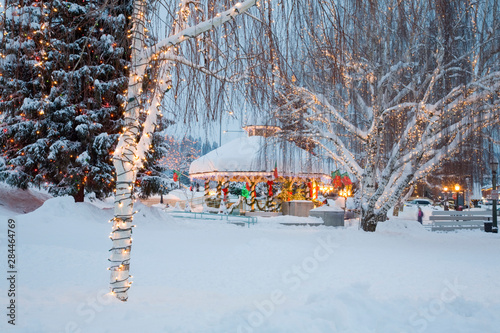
457, 189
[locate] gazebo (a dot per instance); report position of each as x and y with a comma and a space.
261, 157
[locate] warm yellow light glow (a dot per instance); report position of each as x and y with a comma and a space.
345, 193
457, 187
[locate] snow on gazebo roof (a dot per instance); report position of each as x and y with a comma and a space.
257, 156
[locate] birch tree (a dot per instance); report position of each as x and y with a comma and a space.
391, 89
150, 78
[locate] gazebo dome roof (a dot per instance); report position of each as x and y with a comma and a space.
258, 156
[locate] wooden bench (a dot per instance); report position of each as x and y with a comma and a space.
309, 224
453, 220
234, 219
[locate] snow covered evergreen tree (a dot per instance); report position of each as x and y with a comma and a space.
63, 74
154, 178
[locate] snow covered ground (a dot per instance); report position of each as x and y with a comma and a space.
210, 276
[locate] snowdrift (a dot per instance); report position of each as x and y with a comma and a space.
211, 276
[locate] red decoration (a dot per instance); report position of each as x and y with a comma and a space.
270, 184
337, 180
345, 179
310, 189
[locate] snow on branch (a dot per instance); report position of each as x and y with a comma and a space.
462, 129
342, 121
203, 69
192, 32
393, 70
345, 157
301, 93
399, 107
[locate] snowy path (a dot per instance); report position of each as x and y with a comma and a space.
209, 276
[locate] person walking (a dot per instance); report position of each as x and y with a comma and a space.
420, 215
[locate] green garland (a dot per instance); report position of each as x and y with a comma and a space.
270, 205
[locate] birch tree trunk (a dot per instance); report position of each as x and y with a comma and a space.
125, 163
135, 139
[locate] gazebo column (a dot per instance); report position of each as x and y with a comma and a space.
225, 189
226, 183
309, 192
207, 189
314, 193
219, 191
253, 195
270, 194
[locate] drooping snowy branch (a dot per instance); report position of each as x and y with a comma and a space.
194, 31
403, 103
202, 69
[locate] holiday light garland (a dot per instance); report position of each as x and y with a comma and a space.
135, 139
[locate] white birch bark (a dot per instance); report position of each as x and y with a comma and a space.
125, 159
133, 143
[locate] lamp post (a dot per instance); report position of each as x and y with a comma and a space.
467, 194
494, 193
446, 198
457, 189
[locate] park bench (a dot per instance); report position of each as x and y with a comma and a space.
453, 220
234, 219
309, 224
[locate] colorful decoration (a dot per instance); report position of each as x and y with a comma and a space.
270, 203
345, 179
253, 196
336, 179
275, 174
313, 190
270, 183
311, 194
176, 175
